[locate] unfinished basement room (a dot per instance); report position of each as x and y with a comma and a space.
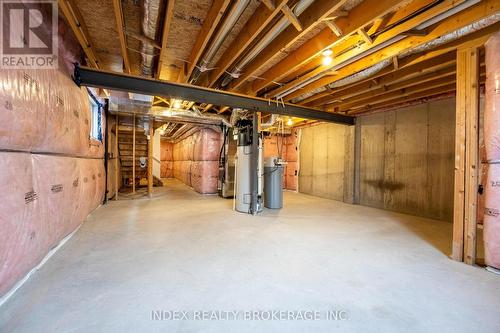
250, 166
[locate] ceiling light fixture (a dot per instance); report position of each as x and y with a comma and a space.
289, 122
176, 104
327, 53
327, 57
326, 61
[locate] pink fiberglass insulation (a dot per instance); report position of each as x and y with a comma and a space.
52, 107
166, 169
54, 176
207, 145
274, 146
201, 146
492, 147
286, 147
291, 174
48, 198
204, 175
166, 153
22, 237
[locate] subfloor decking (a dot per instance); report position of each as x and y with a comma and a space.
182, 251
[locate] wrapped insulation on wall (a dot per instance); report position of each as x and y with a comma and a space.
492, 149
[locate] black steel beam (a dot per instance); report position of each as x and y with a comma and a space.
129, 83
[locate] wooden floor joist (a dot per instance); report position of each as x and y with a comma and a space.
359, 17
384, 77
461, 19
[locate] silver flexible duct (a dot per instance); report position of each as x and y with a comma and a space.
424, 47
228, 24
265, 41
150, 20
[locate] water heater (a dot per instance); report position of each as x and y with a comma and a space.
248, 165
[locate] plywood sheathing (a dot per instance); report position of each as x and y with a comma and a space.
132, 13
346, 7
101, 25
313, 32
186, 24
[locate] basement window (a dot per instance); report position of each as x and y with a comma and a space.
95, 118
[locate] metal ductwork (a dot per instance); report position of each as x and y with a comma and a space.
460, 32
224, 30
265, 41
194, 116
150, 19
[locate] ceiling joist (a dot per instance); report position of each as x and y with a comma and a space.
384, 77
359, 17
255, 25
366, 50
210, 23
117, 7
75, 21
310, 18
464, 18
167, 22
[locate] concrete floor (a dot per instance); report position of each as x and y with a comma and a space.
185, 252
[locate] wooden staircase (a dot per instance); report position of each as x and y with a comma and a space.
125, 148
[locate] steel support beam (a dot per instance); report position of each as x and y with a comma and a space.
129, 83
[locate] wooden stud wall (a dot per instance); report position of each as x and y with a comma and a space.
466, 156
150, 159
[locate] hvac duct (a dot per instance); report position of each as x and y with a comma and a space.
444, 39
492, 145
228, 24
268, 38
125, 105
151, 10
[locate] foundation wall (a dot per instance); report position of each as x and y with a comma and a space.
52, 173
323, 157
405, 160
195, 160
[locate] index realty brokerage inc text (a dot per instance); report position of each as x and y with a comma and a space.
306, 315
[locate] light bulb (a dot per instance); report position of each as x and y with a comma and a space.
327, 53
289, 122
177, 104
327, 60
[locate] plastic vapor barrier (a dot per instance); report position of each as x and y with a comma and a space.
166, 159
48, 197
52, 173
195, 160
492, 148
285, 147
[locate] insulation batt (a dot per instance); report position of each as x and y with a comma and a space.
48, 197
204, 176
274, 144
54, 109
53, 175
195, 160
166, 158
492, 147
